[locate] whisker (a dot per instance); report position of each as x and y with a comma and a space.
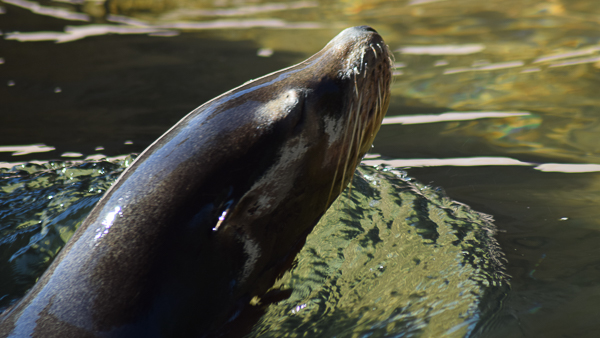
351, 143
355, 85
337, 168
377, 114
365, 65
374, 51
362, 60
379, 99
359, 137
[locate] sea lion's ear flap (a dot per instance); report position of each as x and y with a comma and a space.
286, 110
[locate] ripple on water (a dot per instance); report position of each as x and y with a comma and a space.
392, 256
41, 206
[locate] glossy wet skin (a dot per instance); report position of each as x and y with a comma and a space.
212, 212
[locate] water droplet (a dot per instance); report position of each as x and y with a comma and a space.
264, 52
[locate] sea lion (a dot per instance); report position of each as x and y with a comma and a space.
211, 213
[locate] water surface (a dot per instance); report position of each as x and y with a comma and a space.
83, 78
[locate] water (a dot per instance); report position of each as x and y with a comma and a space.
41, 206
392, 256
126, 71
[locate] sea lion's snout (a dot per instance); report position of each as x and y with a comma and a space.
350, 91
357, 48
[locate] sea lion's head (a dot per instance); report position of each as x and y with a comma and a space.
326, 110
357, 63
321, 117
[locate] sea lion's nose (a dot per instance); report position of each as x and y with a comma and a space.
365, 28
359, 33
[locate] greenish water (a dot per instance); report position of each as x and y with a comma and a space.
391, 257
41, 206
123, 72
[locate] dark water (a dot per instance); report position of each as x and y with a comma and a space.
123, 72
